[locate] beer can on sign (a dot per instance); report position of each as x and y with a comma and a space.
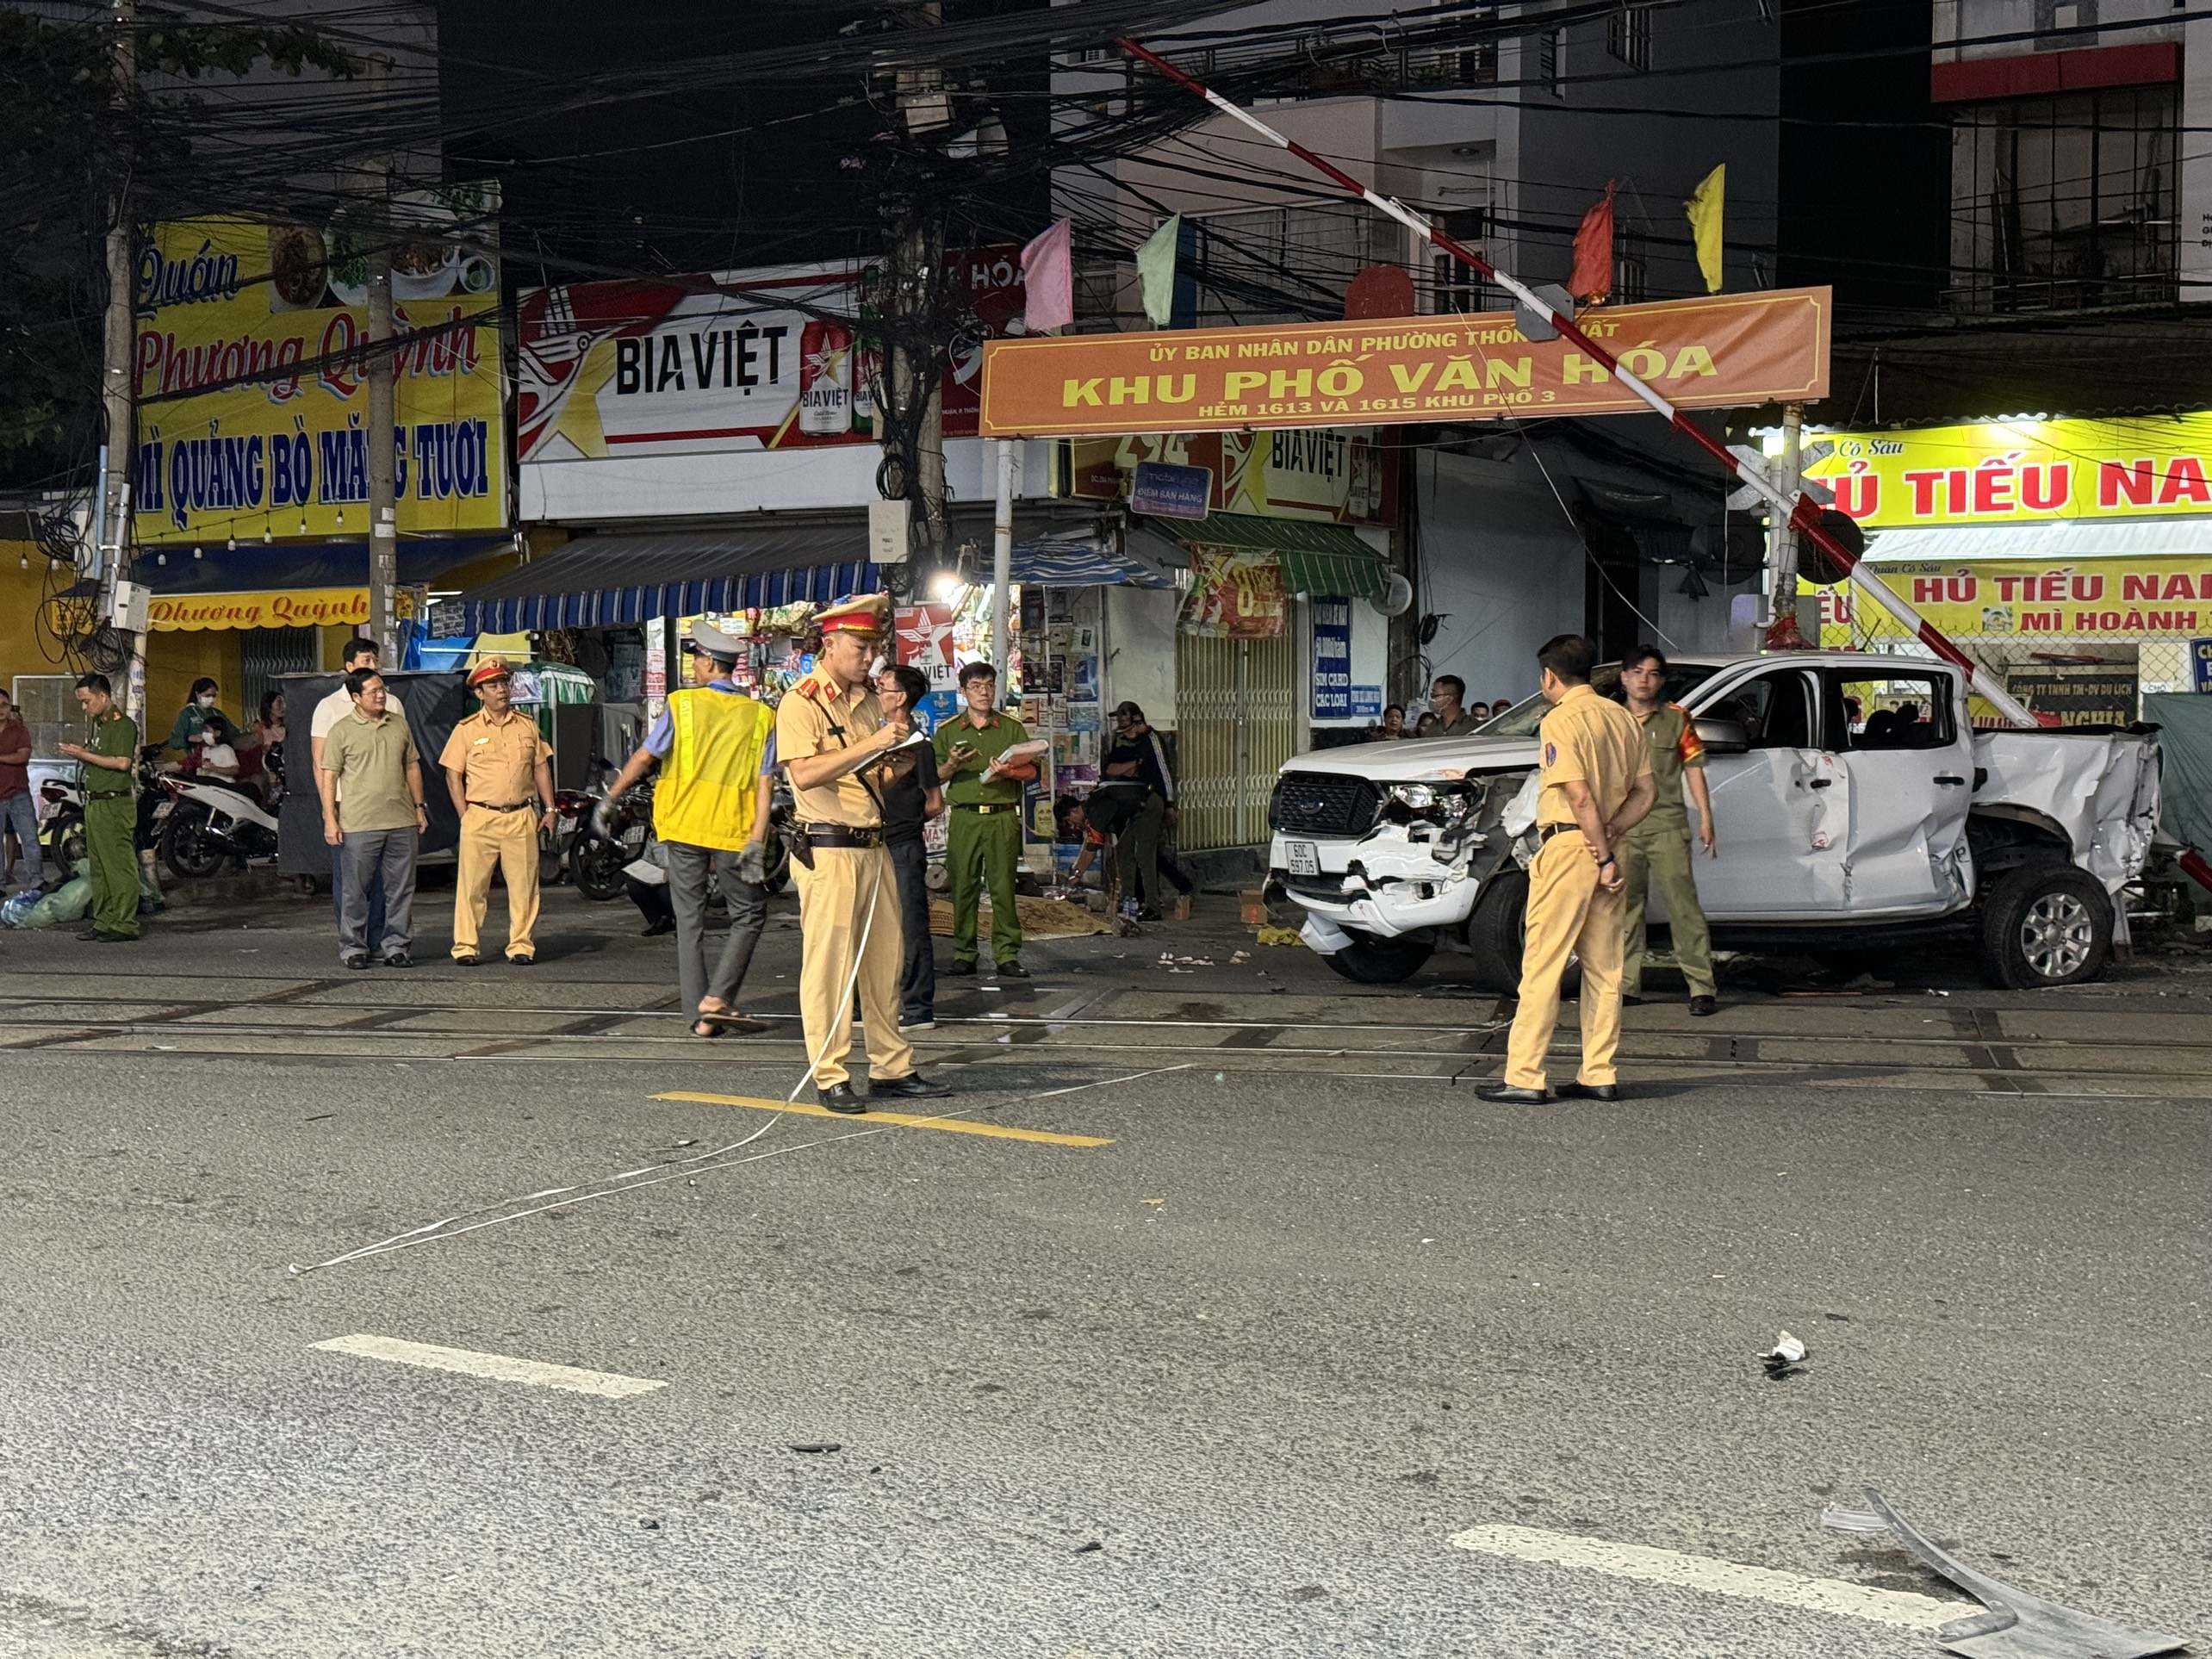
825, 379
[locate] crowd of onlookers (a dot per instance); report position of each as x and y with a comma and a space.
1447, 715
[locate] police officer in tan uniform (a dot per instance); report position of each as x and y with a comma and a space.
499, 767
831, 738
1596, 768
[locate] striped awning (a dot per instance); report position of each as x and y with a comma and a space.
1316, 558
617, 580
1081, 558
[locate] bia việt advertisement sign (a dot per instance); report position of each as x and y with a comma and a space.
773, 358
253, 395
1996, 472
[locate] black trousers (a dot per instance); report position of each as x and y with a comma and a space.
918, 982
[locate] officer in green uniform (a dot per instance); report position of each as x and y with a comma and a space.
1658, 849
110, 818
982, 837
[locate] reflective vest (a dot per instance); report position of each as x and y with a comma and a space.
711, 776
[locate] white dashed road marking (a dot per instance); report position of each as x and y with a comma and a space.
1901, 1608
500, 1368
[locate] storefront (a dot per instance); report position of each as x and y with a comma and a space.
2071, 558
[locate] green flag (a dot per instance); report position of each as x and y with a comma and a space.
1156, 264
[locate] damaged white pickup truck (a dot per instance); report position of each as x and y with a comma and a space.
1857, 810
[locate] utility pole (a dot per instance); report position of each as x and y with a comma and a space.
383, 505
111, 535
1781, 540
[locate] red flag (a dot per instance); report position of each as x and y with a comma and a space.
1594, 252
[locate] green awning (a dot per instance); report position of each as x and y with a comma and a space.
1316, 558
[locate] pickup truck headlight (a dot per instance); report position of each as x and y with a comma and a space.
1441, 803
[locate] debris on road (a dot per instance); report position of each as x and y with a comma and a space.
1278, 936
1086, 1548
817, 1446
1841, 1517
1785, 1359
2019, 1625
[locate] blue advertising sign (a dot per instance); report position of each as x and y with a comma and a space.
2200, 653
1172, 492
1331, 659
1367, 702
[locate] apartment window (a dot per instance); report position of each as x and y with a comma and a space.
1628, 37
1631, 268
2065, 203
1551, 61
1288, 264
1453, 287
2056, 19
1478, 64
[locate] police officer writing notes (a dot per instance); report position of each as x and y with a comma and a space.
1596, 770
499, 766
716, 750
983, 839
108, 815
831, 738
1658, 849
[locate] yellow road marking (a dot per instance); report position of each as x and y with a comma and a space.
902, 1119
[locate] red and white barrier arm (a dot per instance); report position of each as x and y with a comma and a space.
1802, 512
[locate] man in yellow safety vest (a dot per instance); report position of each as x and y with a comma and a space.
717, 751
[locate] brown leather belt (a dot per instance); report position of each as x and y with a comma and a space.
841, 835
519, 806
986, 807
1546, 831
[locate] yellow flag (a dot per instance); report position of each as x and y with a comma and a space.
1705, 209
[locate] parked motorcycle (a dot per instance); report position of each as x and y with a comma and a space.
208, 820
65, 824
595, 860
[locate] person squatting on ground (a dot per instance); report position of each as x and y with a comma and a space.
358, 653
912, 797
373, 811
716, 747
1596, 770
1658, 849
498, 766
110, 817
983, 842
831, 736
1135, 772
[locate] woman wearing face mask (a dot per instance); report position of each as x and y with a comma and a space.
200, 725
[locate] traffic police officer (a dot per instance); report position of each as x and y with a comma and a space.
1596, 769
1658, 849
498, 764
982, 837
831, 737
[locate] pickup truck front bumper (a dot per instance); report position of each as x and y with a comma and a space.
1387, 884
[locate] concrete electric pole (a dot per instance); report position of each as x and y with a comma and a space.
383, 505
111, 535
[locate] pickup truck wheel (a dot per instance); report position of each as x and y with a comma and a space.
2048, 925
1370, 961
1494, 934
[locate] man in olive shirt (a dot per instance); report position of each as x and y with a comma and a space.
499, 768
110, 819
983, 838
375, 817
1448, 702
1658, 849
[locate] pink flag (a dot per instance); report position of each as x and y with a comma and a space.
1048, 277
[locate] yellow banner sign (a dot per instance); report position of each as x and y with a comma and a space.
310, 607
254, 397
2006, 599
1996, 472
1730, 349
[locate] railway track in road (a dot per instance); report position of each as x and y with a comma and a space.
1979, 1047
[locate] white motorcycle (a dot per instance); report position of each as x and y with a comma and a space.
210, 820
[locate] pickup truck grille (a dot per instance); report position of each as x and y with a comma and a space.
1323, 804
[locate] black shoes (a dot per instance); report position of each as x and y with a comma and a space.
1512, 1094
912, 1086
841, 1098
1589, 1091
101, 936
1702, 1006
1012, 971
962, 965
522, 961
399, 959
470, 960
1631, 999
356, 962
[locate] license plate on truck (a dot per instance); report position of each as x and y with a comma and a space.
1305, 858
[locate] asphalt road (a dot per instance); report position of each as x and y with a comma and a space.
1231, 1382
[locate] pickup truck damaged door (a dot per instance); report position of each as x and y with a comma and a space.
1781, 825
1910, 758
